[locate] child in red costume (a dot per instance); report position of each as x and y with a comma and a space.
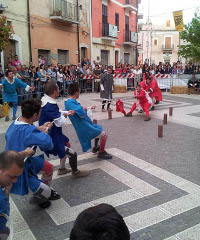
144, 100
154, 89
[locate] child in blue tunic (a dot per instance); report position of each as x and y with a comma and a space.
86, 130
11, 166
51, 113
10, 84
22, 134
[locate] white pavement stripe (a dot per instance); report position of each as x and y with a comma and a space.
21, 229
146, 218
156, 171
181, 205
69, 214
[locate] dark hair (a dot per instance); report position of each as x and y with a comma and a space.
50, 87
73, 88
30, 106
101, 222
8, 158
41, 65
7, 72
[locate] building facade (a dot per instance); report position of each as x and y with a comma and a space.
114, 31
158, 41
60, 30
17, 15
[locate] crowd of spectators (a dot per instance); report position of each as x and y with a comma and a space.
66, 73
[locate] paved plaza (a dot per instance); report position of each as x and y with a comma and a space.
154, 183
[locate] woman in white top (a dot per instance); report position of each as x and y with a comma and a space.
60, 78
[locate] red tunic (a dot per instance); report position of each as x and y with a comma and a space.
155, 90
144, 85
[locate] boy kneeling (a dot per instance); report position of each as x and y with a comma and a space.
144, 100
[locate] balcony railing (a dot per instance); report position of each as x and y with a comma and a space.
167, 47
130, 37
130, 5
62, 10
109, 31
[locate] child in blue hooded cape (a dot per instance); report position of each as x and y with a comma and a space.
86, 130
21, 134
51, 113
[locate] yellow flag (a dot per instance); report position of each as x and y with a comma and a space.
178, 19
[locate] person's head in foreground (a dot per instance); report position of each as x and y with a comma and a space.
74, 90
51, 89
101, 222
11, 167
31, 109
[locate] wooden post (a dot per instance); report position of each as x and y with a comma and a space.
109, 114
95, 121
170, 111
165, 119
160, 130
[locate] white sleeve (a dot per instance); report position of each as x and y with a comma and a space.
102, 87
27, 88
59, 122
64, 112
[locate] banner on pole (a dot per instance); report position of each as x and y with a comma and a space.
178, 20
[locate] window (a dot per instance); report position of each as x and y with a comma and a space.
63, 56
155, 42
168, 23
117, 20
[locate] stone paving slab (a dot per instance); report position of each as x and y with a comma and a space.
160, 197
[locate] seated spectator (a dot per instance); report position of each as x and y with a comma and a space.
193, 83
101, 222
16, 63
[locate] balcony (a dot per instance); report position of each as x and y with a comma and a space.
109, 32
130, 38
167, 47
130, 5
63, 11
2, 6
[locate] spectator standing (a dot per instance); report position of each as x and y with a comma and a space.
16, 63
97, 75
43, 74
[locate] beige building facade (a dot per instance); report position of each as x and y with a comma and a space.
158, 41
17, 15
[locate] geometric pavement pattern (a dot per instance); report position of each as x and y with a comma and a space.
163, 197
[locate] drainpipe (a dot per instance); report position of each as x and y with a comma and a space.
29, 30
78, 38
137, 34
91, 50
